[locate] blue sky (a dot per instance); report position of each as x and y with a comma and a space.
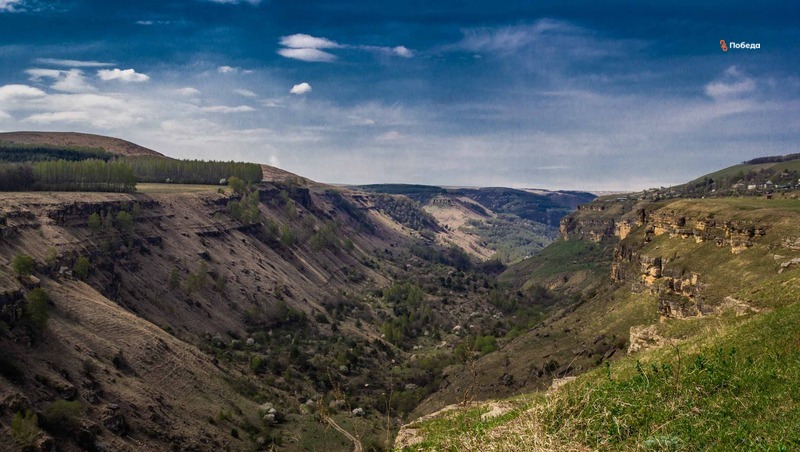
621, 95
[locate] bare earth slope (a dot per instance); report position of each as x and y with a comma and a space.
109, 144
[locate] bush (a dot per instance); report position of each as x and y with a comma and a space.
81, 267
62, 416
36, 310
175, 279
10, 370
95, 222
124, 222
25, 429
23, 265
236, 184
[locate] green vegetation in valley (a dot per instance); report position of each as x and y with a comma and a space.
512, 238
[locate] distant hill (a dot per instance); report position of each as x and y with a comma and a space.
111, 145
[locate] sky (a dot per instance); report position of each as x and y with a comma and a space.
620, 96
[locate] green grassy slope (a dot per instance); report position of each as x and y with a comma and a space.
723, 380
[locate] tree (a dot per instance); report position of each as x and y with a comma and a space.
36, 312
124, 222
23, 265
95, 222
81, 267
237, 185
174, 279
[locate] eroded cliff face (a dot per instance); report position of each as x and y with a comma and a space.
630, 227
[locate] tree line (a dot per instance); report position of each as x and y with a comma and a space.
18, 153
119, 175
159, 170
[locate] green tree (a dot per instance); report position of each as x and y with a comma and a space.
81, 267
174, 279
95, 222
36, 311
124, 222
237, 185
52, 257
287, 236
23, 265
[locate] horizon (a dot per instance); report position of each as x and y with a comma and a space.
613, 98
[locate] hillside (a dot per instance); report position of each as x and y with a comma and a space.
202, 317
491, 223
679, 305
111, 145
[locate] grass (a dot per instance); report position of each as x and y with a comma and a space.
730, 383
724, 381
150, 189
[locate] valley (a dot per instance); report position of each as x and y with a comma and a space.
287, 314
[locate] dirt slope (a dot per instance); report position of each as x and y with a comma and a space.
109, 144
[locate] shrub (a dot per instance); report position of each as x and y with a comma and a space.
25, 429
236, 184
36, 310
52, 257
23, 265
62, 416
124, 222
81, 267
10, 370
175, 279
95, 222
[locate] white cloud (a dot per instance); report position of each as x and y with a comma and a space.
144, 22
300, 89
15, 92
403, 51
274, 161
188, 91
391, 135
309, 55
123, 75
226, 69
71, 81
60, 116
734, 84
303, 41
307, 48
9, 5
72, 63
4, 115
226, 109
245, 92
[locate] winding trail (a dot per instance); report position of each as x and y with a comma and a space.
357, 447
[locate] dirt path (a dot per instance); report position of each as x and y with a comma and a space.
357, 447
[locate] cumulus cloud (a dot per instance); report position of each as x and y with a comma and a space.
305, 47
123, 75
300, 89
403, 51
188, 91
10, 6
734, 84
227, 109
309, 55
245, 92
71, 63
304, 41
14, 92
70, 81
